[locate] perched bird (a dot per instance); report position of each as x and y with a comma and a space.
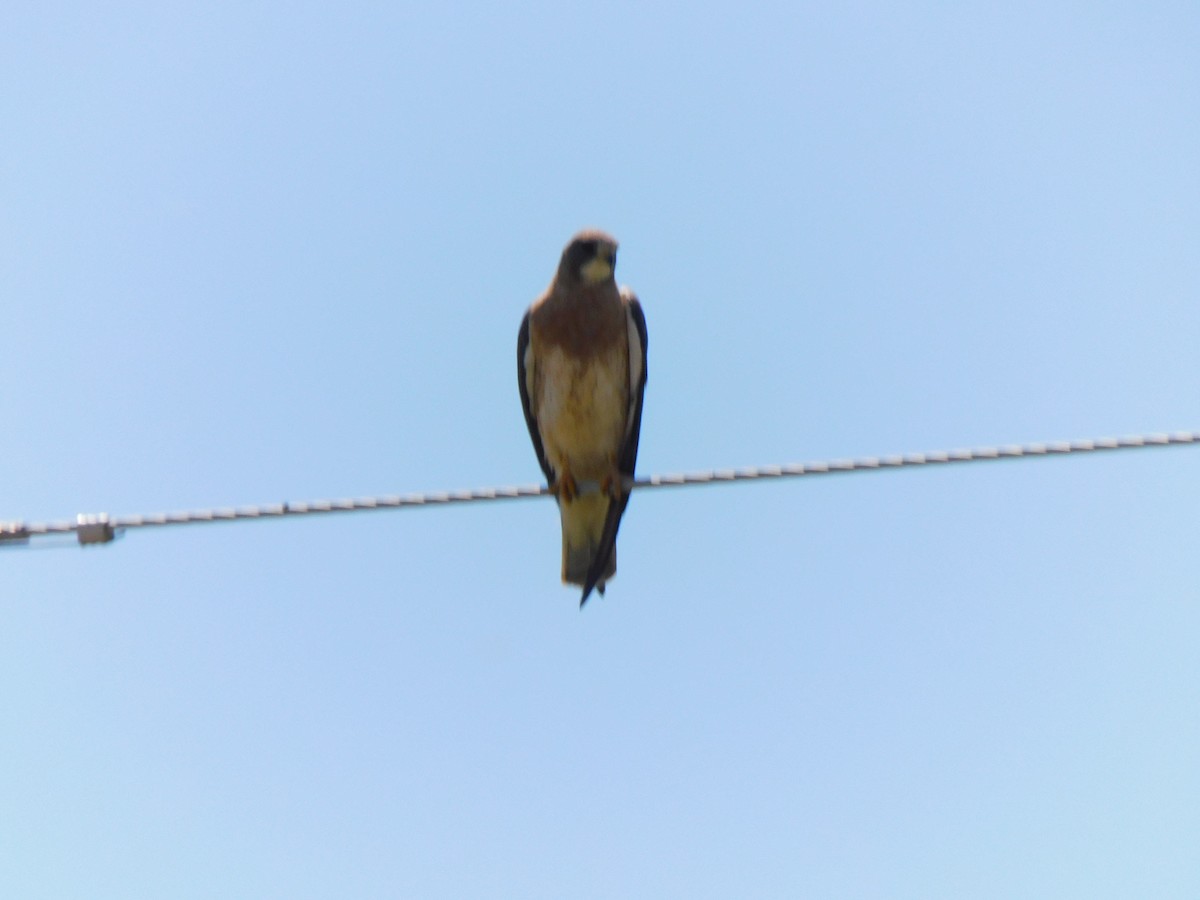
581, 368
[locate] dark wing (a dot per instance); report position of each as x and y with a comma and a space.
627, 460
525, 383
627, 457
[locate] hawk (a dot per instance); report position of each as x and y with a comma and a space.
581, 368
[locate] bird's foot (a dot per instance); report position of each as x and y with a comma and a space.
565, 488
613, 484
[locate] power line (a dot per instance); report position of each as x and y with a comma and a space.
101, 529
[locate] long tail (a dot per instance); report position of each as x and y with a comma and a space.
604, 562
587, 556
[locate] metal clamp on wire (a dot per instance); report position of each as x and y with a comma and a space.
93, 528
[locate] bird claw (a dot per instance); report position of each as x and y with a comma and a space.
612, 484
565, 488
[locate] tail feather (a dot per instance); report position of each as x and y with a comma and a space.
604, 562
583, 538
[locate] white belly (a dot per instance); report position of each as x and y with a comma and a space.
582, 411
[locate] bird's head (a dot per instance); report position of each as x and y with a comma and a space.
590, 258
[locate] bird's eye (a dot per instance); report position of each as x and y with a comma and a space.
587, 249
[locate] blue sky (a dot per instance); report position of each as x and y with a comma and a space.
255, 252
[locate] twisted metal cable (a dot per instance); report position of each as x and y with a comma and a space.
101, 529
